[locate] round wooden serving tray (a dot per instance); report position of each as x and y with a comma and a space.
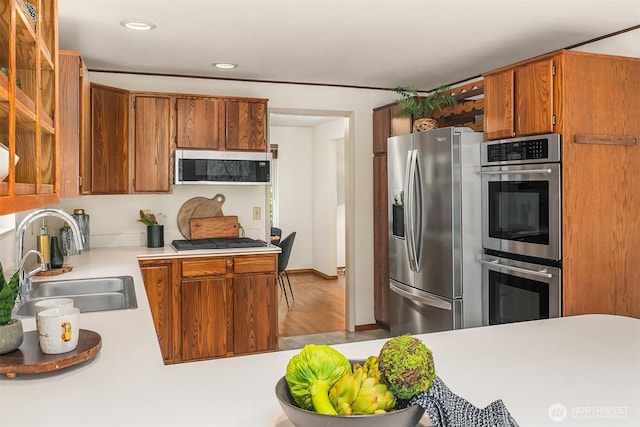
198, 207
29, 359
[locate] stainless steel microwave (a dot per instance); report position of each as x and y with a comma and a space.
222, 167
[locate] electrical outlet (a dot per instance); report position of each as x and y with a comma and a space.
256, 213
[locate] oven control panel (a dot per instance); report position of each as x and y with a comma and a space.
524, 150
532, 149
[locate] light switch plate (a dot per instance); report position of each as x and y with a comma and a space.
256, 213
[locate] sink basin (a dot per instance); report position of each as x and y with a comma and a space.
95, 294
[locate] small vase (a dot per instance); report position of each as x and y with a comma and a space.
11, 336
56, 255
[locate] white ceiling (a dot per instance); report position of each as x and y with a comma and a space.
365, 43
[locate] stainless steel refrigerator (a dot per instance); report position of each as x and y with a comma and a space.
434, 230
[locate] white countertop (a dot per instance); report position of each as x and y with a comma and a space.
588, 364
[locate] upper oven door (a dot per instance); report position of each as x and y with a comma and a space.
521, 209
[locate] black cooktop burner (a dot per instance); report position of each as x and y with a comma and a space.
226, 243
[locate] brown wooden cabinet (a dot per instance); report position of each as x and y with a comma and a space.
205, 315
221, 306
74, 134
216, 123
255, 313
109, 140
588, 100
152, 143
29, 105
200, 123
158, 279
386, 123
246, 125
519, 101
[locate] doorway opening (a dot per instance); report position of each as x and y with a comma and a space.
311, 195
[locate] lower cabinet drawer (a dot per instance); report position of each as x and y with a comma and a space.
204, 267
255, 264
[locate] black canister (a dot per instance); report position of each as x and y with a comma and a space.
155, 236
56, 255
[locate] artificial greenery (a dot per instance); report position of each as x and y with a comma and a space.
8, 294
422, 107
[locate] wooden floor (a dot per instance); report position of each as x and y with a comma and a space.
317, 314
319, 305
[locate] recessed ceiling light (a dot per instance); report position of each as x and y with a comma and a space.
225, 65
138, 24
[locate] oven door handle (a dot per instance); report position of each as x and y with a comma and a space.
430, 301
496, 263
518, 172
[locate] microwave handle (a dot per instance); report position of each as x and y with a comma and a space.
519, 172
496, 263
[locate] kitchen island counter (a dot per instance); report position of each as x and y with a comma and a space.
588, 366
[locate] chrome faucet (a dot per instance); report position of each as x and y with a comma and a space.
22, 227
25, 277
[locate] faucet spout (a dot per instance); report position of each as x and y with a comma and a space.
42, 213
25, 277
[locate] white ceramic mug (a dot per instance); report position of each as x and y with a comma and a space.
51, 303
58, 329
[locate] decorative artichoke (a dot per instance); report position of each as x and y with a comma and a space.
406, 366
361, 392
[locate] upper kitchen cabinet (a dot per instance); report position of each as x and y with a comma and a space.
74, 132
214, 123
109, 140
200, 123
519, 100
28, 105
246, 125
152, 130
386, 123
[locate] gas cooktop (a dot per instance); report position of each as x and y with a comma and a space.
220, 243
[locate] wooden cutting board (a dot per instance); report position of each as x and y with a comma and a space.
198, 207
214, 227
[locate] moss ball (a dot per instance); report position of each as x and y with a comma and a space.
406, 366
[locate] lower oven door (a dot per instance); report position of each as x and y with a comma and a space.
516, 291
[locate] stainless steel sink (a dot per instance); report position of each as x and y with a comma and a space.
95, 294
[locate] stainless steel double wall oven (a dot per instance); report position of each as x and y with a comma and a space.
521, 229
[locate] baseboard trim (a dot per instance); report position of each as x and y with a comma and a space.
311, 270
367, 327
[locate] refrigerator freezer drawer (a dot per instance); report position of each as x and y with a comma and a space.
417, 312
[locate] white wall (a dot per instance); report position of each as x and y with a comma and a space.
325, 200
295, 191
307, 180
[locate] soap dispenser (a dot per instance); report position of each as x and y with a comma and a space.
43, 244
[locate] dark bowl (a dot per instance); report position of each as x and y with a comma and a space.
408, 417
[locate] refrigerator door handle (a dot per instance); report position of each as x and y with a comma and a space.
417, 219
409, 215
427, 300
